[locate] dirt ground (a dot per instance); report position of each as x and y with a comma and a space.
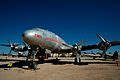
49, 71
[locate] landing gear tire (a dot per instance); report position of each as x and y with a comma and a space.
33, 65
77, 62
56, 61
41, 60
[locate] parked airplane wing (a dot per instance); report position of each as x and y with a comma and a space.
89, 47
83, 48
115, 43
7, 45
102, 46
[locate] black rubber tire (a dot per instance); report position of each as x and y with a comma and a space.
79, 60
76, 61
32, 65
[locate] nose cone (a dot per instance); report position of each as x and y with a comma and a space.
27, 36
23, 35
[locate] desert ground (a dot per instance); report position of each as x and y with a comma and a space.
50, 71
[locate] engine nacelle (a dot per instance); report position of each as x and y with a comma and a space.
104, 45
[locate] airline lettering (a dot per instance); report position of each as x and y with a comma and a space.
37, 36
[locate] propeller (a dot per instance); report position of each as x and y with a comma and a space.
104, 44
75, 47
11, 45
26, 47
101, 38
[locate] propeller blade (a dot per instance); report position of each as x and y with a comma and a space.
81, 42
10, 52
25, 44
101, 38
14, 44
9, 42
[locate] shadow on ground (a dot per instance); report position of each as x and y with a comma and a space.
21, 63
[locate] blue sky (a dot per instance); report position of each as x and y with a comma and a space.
73, 20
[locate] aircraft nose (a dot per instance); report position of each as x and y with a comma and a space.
23, 35
27, 35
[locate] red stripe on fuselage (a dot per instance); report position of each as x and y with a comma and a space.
52, 40
47, 39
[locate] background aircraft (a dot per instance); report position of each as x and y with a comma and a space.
39, 40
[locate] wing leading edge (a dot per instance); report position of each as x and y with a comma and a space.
102, 46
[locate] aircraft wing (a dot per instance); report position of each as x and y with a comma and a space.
89, 47
102, 46
83, 48
7, 45
115, 43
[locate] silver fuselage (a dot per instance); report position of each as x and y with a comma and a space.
44, 39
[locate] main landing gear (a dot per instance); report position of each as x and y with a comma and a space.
39, 53
78, 57
32, 64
